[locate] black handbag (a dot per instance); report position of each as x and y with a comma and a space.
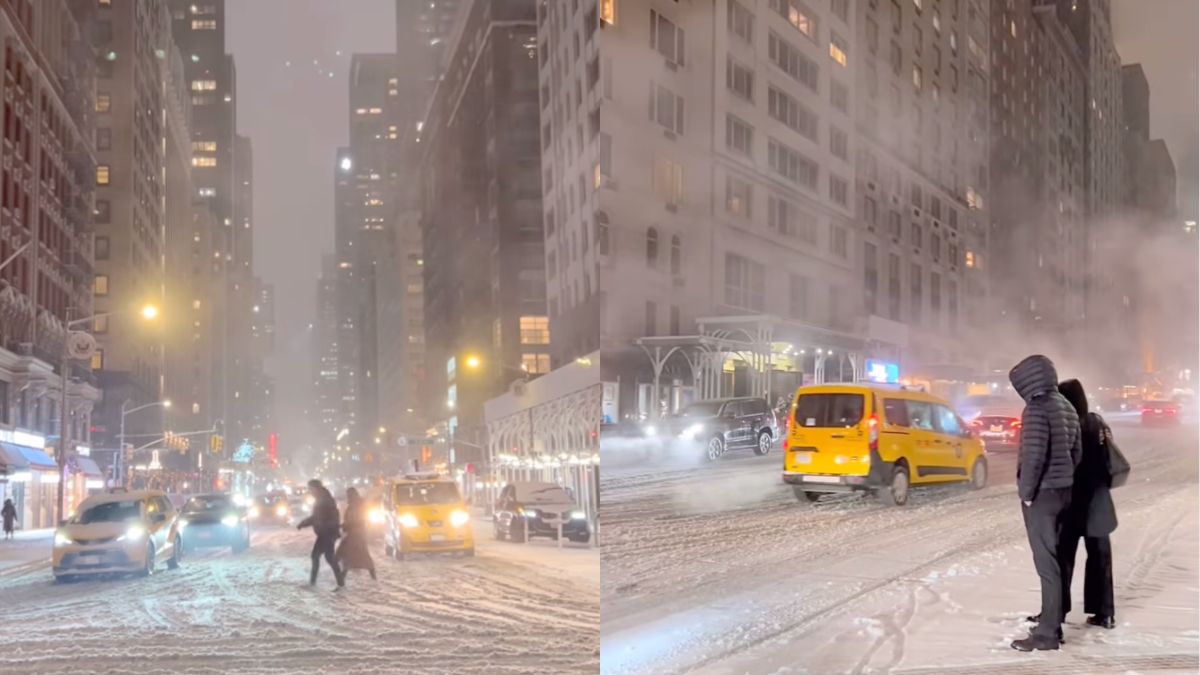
1118, 466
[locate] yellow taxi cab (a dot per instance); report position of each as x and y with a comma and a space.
877, 438
118, 532
424, 513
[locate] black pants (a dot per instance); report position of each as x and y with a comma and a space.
1097, 573
1043, 524
324, 546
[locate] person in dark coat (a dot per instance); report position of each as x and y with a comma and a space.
1091, 516
326, 523
9, 514
1049, 451
352, 551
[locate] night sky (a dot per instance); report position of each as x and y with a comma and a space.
296, 116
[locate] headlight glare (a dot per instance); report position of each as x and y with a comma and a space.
61, 539
134, 533
409, 520
578, 515
458, 518
375, 516
230, 521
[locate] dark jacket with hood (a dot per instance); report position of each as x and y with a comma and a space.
325, 518
1092, 511
1050, 442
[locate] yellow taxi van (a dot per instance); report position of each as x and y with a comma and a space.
878, 438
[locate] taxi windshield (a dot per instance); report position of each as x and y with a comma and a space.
412, 494
110, 512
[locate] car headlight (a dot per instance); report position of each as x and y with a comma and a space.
230, 521
281, 511
409, 520
578, 515
375, 516
531, 513
61, 539
651, 430
254, 512
134, 533
458, 518
694, 430
239, 500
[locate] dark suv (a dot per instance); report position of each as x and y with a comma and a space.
725, 424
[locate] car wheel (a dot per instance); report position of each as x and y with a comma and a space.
979, 475
515, 532
896, 492
805, 495
176, 554
148, 568
715, 448
764, 443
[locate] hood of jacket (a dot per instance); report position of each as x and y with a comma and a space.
1034, 376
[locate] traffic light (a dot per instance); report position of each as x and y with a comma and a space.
216, 443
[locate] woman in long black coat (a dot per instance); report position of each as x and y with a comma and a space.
1092, 515
9, 515
353, 552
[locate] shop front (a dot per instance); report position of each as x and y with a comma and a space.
32, 478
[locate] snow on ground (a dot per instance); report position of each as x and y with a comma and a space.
718, 569
511, 609
27, 548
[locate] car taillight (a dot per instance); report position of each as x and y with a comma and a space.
873, 433
787, 433
1016, 424
1146, 411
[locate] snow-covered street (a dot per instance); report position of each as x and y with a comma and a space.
718, 569
512, 609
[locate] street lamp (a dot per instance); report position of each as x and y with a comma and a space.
121, 438
148, 312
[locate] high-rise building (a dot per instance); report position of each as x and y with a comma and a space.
575, 163
484, 264
46, 234
134, 42
326, 382
199, 31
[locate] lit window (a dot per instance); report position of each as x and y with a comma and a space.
608, 11
204, 24
917, 77
98, 360
837, 49
208, 192
100, 285
105, 3
204, 161
535, 364
102, 174
535, 330
195, 304
798, 15
195, 408
103, 102
1012, 28
204, 85
100, 323
204, 146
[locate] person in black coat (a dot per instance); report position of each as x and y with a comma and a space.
9, 515
326, 523
1091, 516
1050, 449
353, 552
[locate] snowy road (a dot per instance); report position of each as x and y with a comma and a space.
718, 569
512, 609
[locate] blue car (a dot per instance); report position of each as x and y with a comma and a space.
214, 521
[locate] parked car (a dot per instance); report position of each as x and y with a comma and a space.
877, 438
118, 532
721, 425
529, 509
214, 521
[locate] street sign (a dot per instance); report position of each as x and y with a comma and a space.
80, 345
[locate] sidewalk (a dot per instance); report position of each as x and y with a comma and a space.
29, 548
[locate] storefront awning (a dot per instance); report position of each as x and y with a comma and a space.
11, 459
38, 459
88, 467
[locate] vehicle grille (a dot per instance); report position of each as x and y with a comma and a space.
90, 542
434, 523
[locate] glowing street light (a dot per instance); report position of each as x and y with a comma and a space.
473, 362
150, 312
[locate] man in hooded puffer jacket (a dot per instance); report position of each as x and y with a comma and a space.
1050, 450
